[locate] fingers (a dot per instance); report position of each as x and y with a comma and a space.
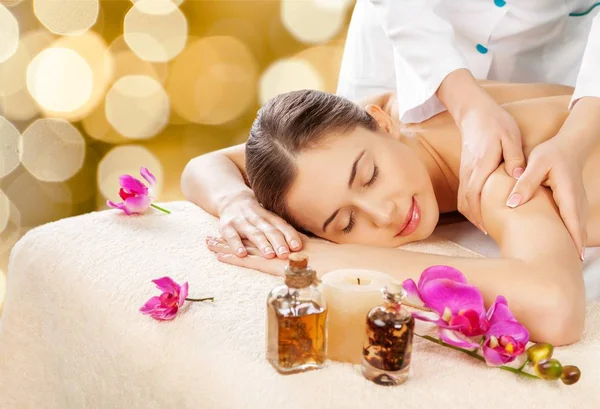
219, 245
512, 150
233, 240
532, 178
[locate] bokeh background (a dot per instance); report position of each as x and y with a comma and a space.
92, 89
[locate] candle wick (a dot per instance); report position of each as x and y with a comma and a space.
358, 281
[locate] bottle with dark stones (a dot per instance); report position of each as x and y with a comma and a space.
388, 339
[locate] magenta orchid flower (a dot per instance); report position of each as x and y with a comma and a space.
506, 338
457, 307
165, 306
137, 197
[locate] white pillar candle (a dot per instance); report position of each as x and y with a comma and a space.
350, 294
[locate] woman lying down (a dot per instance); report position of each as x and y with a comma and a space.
356, 177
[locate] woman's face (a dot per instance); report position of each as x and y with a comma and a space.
364, 187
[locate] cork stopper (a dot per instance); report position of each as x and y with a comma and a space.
394, 291
298, 260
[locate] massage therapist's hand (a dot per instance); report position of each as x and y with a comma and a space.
557, 165
490, 135
243, 217
323, 256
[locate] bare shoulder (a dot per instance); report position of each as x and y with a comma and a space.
539, 119
533, 231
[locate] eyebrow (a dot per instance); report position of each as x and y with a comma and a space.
350, 182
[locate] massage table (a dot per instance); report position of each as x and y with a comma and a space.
71, 335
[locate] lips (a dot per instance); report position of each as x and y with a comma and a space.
411, 222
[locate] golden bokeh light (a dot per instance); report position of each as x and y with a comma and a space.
60, 80
334, 4
67, 17
155, 30
312, 22
213, 81
13, 72
126, 159
326, 59
4, 211
9, 147
35, 207
2, 289
52, 149
157, 6
288, 75
97, 126
9, 34
137, 107
126, 62
93, 50
19, 106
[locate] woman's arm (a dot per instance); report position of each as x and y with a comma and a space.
215, 179
539, 273
217, 183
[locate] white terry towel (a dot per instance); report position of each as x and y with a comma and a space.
71, 335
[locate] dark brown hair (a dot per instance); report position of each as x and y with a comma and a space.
284, 127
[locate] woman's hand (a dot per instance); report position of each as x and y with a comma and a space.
244, 218
555, 165
489, 135
323, 256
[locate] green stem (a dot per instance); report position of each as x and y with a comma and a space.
200, 299
475, 355
160, 208
524, 363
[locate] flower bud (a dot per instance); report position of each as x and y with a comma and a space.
570, 374
539, 352
549, 369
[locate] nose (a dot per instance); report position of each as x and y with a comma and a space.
380, 211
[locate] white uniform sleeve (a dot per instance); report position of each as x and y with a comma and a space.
424, 53
588, 80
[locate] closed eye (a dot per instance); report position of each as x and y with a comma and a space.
374, 177
348, 228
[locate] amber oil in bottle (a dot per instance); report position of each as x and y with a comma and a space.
296, 320
388, 339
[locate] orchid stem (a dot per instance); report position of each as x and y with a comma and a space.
475, 355
160, 208
200, 299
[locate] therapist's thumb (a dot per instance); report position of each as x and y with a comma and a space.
514, 159
526, 186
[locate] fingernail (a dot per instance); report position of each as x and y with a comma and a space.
295, 244
269, 250
241, 250
582, 256
483, 230
282, 250
518, 172
514, 200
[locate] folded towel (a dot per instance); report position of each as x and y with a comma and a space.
71, 335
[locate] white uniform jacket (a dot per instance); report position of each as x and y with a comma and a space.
411, 45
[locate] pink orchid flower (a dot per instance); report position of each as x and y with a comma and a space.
506, 338
165, 306
456, 306
137, 198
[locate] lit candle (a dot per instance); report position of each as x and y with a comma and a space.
350, 295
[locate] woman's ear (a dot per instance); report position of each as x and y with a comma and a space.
385, 122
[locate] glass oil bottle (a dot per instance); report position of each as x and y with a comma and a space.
296, 320
388, 339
